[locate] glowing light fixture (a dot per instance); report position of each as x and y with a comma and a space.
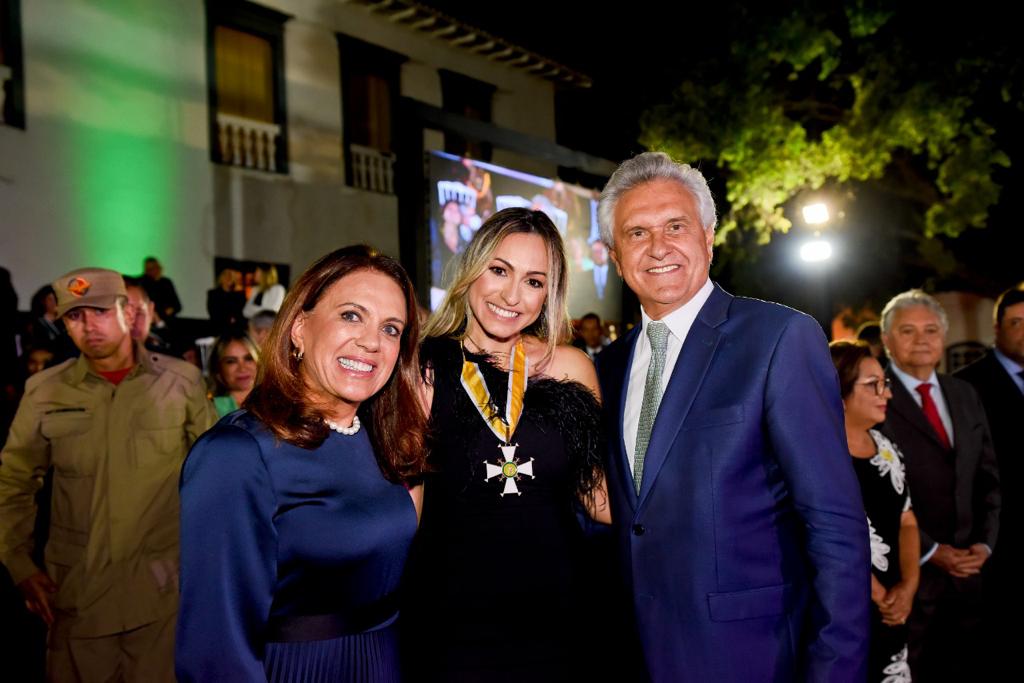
816, 214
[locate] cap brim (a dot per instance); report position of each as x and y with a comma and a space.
104, 302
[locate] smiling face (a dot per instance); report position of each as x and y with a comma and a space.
237, 367
864, 406
509, 295
351, 340
661, 249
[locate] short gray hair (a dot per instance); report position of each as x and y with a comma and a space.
643, 168
909, 299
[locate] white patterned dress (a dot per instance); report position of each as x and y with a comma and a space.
883, 485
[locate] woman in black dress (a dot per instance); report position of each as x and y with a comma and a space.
494, 581
895, 546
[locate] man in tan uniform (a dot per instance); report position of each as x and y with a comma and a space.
115, 424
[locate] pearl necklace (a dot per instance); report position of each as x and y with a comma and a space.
347, 431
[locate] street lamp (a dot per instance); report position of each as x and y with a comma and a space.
816, 213
818, 250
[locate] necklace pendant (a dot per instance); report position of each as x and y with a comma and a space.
510, 469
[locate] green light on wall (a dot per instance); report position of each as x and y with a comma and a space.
125, 197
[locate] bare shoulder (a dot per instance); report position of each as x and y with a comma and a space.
570, 363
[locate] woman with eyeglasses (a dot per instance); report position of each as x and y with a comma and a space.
895, 548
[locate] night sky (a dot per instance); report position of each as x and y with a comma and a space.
636, 53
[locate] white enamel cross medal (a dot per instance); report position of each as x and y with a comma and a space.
510, 470
502, 426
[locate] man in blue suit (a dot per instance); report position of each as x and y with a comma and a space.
739, 521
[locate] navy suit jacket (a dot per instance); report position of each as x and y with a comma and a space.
747, 549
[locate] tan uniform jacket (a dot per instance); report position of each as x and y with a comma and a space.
116, 453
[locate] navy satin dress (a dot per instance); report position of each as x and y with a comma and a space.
271, 532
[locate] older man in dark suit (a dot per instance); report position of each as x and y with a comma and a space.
939, 423
999, 380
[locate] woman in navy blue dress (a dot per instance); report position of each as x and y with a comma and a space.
297, 512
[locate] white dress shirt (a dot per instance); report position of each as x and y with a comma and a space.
679, 323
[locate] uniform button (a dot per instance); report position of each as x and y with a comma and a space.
638, 529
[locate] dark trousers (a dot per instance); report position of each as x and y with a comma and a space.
946, 636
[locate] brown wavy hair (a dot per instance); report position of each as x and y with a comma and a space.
393, 416
847, 355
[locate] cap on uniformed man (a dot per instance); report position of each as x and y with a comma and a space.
92, 287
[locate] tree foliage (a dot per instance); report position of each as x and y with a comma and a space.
844, 94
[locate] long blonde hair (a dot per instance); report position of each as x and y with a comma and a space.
552, 325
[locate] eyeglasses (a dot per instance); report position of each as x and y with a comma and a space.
881, 385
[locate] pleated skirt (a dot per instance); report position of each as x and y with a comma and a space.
370, 657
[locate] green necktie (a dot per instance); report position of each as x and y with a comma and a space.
657, 332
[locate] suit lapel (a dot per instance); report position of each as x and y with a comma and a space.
619, 369
687, 375
904, 404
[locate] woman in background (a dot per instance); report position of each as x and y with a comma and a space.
233, 365
267, 295
895, 544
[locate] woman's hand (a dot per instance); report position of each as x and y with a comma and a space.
897, 603
877, 592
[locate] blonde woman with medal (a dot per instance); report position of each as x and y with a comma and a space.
493, 588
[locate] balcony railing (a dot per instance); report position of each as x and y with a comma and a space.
5, 75
248, 143
372, 170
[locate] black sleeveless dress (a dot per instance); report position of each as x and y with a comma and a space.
886, 497
494, 590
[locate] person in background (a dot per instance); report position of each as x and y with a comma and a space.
591, 338
940, 425
895, 548
224, 303
45, 327
870, 333
267, 295
259, 327
115, 425
160, 289
998, 377
295, 519
233, 365
147, 327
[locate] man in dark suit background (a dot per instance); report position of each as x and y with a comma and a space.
939, 424
738, 519
998, 378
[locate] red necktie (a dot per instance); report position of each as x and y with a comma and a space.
931, 413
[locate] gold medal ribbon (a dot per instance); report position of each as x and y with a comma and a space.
503, 426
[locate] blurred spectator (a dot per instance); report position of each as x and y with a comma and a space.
267, 295
939, 423
259, 327
599, 254
591, 339
37, 360
233, 365
160, 289
115, 425
225, 302
998, 377
870, 333
46, 328
146, 318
